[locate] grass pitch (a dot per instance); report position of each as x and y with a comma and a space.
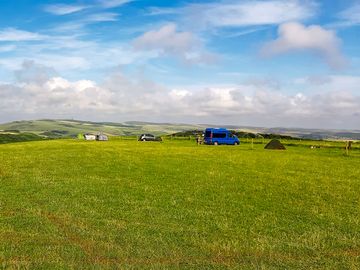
123, 204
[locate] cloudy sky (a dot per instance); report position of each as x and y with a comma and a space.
290, 63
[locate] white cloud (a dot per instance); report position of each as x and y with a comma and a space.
246, 13
169, 41
100, 17
232, 13
60, 62
30, 73
58, 82
113, 3
38, 93
233, 34
295, 37
7, 48
72, 55
334, 83
63, 9
13, 34
155, 11
350, 16
77, 26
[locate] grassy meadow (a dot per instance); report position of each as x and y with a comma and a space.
123, 204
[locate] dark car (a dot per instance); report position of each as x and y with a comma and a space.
148, 138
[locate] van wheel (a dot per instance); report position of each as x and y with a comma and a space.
236, 143
215, 143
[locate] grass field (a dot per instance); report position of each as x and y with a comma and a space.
122, 204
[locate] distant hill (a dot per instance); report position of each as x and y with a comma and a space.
66, 128
70, 128
11, 137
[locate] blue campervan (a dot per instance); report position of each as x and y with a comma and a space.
218, 136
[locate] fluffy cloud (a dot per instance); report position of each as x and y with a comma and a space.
40, 93
37, 93
294, 37
31, 73
168, 41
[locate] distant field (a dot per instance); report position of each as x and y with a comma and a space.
65, 128
123, 204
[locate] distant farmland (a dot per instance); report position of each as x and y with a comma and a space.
70, 128
66, 128
174, 205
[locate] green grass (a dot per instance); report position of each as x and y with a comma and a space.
124, 204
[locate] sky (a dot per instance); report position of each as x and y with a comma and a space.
271, 63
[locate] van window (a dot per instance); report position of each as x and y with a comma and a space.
208, 134
219, 135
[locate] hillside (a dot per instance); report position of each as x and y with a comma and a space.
10, 137
70, 128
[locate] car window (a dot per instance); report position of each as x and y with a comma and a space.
219, 135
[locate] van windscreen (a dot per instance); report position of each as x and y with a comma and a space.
208, 134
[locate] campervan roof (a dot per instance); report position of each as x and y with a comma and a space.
217, 129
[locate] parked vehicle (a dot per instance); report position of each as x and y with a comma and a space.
102, 137
218, 136
148, 137
90, 137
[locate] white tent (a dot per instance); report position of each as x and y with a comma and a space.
102, 137
90, 137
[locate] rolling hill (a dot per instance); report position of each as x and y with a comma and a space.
64, 128
70, 128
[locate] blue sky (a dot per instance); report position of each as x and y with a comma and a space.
260, 63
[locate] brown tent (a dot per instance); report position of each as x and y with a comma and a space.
275, 145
